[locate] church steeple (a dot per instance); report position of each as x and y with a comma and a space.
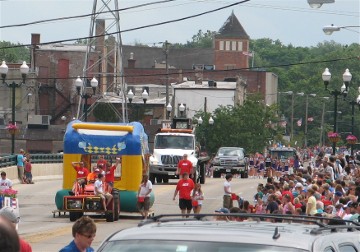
231, 45
232, 29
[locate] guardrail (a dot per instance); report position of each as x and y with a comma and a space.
10, 160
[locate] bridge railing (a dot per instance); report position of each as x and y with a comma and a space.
10, 160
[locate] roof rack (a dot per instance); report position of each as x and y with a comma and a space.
316, 220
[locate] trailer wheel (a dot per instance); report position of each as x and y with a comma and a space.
116, 207
75, 215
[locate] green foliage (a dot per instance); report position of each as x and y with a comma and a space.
14, 53
103, 112
200, 40
249, 126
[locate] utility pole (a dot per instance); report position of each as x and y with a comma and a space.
167, 75
292, 117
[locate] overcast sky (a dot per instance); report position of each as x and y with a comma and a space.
290, 21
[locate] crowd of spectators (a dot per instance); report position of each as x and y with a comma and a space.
329, 186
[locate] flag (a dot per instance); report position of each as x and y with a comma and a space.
250, 54
299, 122
310, 119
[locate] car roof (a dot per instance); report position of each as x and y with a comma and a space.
288, 234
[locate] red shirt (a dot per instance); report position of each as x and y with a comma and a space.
185, 186
101, 162
185, 166
81, 172
109, 174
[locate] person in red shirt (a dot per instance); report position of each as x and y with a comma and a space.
110, 174
81, 170
184, 165
101, 162
184, 188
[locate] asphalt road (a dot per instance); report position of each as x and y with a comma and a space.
47, 233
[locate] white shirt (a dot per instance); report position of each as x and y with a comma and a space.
99, 185
145, 189
5, 184
227, 187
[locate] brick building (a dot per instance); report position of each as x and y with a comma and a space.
56, 66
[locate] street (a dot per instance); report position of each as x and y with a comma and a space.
46, 233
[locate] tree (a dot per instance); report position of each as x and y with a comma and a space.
249, 126
13, 53
199, 40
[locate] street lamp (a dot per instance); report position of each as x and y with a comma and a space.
210, 122
24, 70
79, 83
306, 114
322, 140
292, 112
353, 103
145, 96
318, 3
326, 76
182, 109
168, 110
130, 95
329, 29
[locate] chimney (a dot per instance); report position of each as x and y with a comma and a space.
35, 39
131, 61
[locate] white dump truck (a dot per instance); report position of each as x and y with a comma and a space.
170, 144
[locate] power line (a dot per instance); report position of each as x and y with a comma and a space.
193, 71
133, 29
85, 15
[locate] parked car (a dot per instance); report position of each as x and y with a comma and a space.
229, 232
230, 160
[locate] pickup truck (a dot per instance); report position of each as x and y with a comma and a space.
230, 160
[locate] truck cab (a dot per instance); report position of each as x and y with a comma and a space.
170, 144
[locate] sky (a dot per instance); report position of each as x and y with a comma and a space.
290, 21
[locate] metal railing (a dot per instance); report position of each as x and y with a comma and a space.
10, 160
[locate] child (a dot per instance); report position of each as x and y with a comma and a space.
197, 198
27, 169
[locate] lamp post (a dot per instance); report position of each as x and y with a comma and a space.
329, 29
322, 140
24, 70
79, 83
182, 109
210, 122
292, 113
353, 103
326, 76
130, 96
145, 96
168, 110
306, 114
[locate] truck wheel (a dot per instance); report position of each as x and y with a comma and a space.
109, 215
165, 178
75, 215
159, 179
152, 178
216, 174
202, 174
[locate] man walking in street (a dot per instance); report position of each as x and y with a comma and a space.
184, 165
184, 188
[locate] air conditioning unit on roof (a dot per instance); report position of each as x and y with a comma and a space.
38, 121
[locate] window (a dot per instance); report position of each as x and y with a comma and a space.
221, 45
347, 248
227, 45
233, 45
240, 45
